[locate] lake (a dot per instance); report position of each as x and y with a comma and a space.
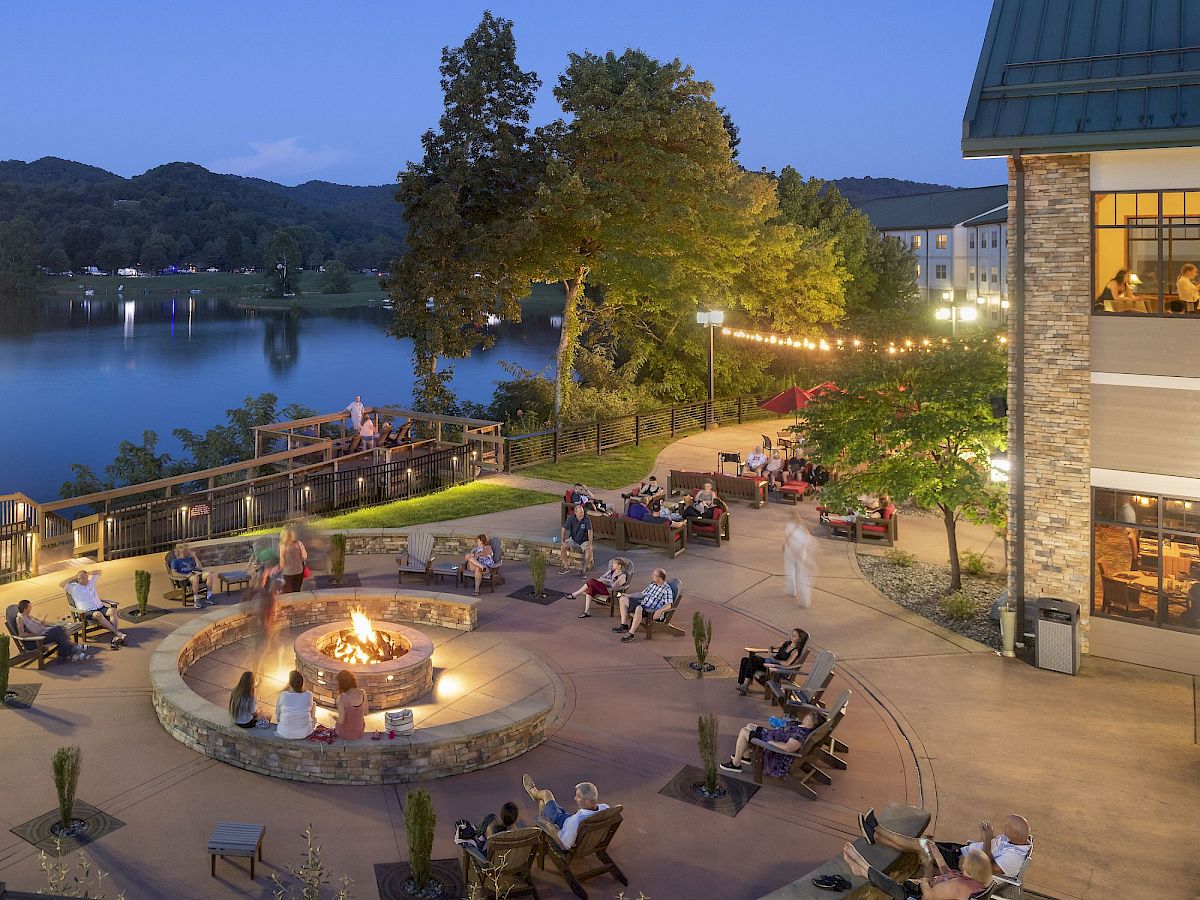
78, 374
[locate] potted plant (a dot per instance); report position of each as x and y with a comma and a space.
337, 557
710, 788
419, 822
702, 638
537, 573
65, 767
141, 587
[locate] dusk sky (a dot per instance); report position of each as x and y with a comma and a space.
292, 91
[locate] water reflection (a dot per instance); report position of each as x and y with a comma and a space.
281, 340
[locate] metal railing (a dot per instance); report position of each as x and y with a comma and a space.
525, 450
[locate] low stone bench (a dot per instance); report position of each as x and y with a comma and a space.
904, 820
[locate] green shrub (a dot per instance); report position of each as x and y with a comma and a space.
959, 606
419, 822
65, 765
708, 728
975, 563
337, 556
701, 637
141, 587
5, 656
537, 571
900, 558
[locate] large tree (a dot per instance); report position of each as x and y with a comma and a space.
18, 254
915, 424
283, 263
463, 205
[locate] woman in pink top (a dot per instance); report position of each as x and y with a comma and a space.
351, 708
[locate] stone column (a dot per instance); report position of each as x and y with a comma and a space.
1057, 456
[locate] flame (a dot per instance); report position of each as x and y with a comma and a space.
362, 644
362, 626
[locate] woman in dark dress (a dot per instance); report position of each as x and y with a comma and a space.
786, 654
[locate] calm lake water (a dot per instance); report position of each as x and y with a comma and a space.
78, 375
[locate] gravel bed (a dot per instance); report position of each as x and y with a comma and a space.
921, 586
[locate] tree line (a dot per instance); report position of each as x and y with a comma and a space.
635, 205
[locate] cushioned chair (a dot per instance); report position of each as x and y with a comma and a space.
881, 529
715, 529
793, 491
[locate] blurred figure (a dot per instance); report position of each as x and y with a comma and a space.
293, 560
797, 547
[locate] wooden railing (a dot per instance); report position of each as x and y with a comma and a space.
596, 437
19, 518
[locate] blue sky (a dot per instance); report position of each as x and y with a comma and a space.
342, 90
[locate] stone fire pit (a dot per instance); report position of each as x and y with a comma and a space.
388, 684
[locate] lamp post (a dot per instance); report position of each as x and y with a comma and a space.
710, 319
955, 314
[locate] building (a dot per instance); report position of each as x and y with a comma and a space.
1096, 105
960, 240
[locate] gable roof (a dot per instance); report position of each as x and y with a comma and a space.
1064, 76
995, 217
941, 209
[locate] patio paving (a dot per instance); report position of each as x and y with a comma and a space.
936, 720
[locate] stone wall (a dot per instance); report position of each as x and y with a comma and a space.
1057, 318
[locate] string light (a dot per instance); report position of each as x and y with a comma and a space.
824, 345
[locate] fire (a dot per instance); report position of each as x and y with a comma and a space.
362, 643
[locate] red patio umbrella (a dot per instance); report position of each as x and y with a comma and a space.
791, 400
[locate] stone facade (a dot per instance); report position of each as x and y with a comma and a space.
1057, 299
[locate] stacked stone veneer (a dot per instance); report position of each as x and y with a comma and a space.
1057, 297
388, 685
432, 752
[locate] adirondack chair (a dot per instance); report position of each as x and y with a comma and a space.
504, 871
613, 602
804, 761
828, 751
1012, 888
181, 585
353, 447
809, 692
595, 834
491, 575
776, 671
385, 434
28, 648
417, 559
649, 622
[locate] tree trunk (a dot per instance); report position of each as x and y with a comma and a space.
565, 359
951, 523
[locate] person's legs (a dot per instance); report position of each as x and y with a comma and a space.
57, 637
741, 749
587, 600
98, 616
635, 621
625, 609
588, 560
896, 841
564, 562
746, 668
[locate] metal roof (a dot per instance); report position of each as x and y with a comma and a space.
941, 209
995, 217
1062, 76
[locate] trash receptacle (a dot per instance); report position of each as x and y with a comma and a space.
1056, 628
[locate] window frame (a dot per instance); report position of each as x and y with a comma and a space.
941, 242
940, 272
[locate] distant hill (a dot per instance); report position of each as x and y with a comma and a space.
188, 215
860, 190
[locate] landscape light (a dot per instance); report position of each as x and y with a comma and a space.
942, 314
968, 313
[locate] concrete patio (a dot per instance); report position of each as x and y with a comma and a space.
935, 720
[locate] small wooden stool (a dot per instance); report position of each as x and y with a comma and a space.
234, 578
235, 839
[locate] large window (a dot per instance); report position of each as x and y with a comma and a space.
1146, 558
916, 242
939, 271
1145, 246
942, 242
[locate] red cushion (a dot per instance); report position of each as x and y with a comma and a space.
567, 495
887, 512
794, 487
875, 529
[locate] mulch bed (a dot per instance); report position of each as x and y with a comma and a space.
549, 595
736, 792
390, 877
920, 588
20, 696
131, 614
95, 824
683, 665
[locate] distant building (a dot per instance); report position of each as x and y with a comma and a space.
960, 240
1097, 108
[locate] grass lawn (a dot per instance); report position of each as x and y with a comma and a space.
453, 503
615, 469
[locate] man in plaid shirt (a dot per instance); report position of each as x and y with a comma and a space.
655, 600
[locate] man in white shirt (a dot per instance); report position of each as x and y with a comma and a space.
756, 461
586, 797
356, 410
1185, 286
82, 589
1007, 851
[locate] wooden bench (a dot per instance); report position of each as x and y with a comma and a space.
737, 487
232, 579
654, 534
235, 839
609, 528
895, 864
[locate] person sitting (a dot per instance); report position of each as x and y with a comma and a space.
479, 560
351, 707
295, 710
884, 508
581, 493
1006, 852
786, 654
756, 462
586, 801
369, 433
28, 625
82, 589
949, 884
774, 470
612, 581
655, 600
645, 492
576, 531
185, 563
491, 825
243, 704
658, 513
788, 738
637, 510
700, 505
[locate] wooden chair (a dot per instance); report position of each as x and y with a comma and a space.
1122, 599
715, 529
385, 434
505, 870
612, 601
417, 559
82, 619
595, 834
777, 671
32, 647
651, 624
181, 585
828, 751
884, 529
804, 761
491, 575
784, 691
353, 447
655, 534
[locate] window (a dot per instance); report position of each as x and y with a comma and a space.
942, 241
982, 277
1146, 558
1147, 237
995, 238
916, 242
971, 274
939, 271
995, 275
971, 240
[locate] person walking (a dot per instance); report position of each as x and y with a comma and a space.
797, 548
293, 560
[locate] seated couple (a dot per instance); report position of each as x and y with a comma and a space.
612, 582
56, 636
951, 871
768, 467
655, 512
657, 599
